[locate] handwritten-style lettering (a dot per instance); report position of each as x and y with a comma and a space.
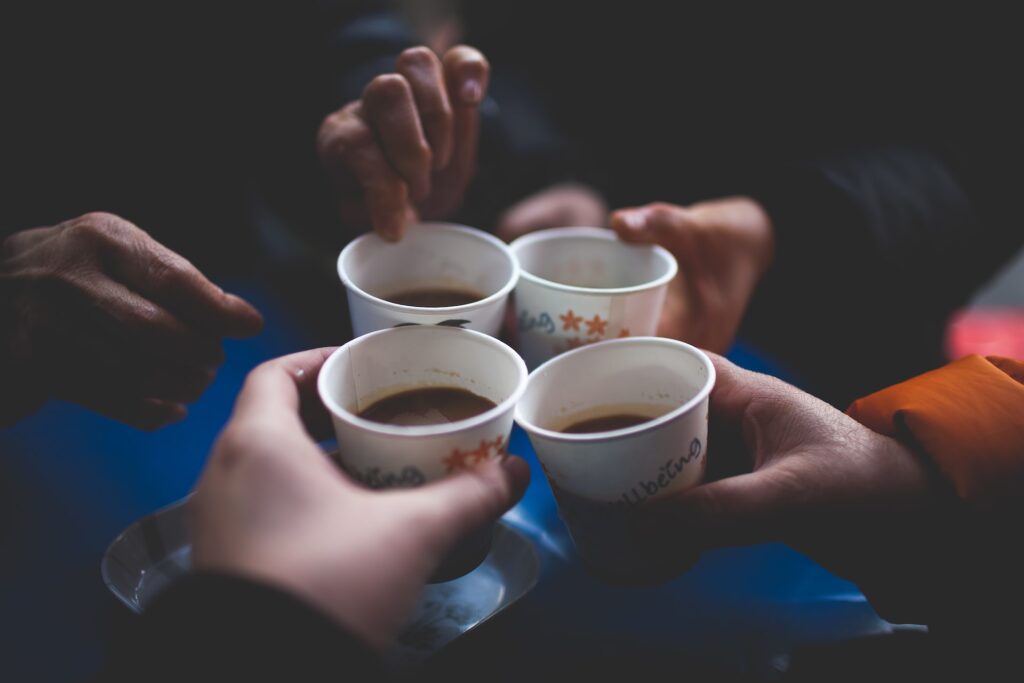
373, 478
666, 473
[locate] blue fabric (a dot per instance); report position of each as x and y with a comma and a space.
70, 481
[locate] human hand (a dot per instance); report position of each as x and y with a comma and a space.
408, 147
723, 246
95, 311
272, 507
562, 205
795, 470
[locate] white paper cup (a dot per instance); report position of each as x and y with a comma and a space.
430, 255
578, 286
390, 361
599, 478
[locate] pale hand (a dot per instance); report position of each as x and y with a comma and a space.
270, 506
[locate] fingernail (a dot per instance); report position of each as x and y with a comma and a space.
471, 92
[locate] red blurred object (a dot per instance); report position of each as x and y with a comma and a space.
986, 332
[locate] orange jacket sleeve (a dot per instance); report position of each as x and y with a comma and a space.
968, 417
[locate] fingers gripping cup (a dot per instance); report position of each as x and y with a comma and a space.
578, 286
616, 426
439, 274
414, 404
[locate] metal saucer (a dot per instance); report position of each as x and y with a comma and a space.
155, 551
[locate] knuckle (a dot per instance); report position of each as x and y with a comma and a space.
359, 136
659, 213
386, 87
167, 266
669, 215
331, 125
339, 138
99, 226
232, 445
418, 57
145, 315
262, 371
99, 218
259, 447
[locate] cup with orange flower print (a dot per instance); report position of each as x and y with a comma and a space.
578, 286
390, 362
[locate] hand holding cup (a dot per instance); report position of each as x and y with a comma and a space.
618, 426
272, 507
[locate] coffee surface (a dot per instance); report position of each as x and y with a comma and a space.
609, 417
427, 406
435, 297
606, 424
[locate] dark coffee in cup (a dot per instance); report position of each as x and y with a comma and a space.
436, 297
610, 418
606, 424
427, 406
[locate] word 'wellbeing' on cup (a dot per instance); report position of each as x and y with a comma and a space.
646, 489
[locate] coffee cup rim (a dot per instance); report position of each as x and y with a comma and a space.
504, 291
418, 431
592, 233
625, 432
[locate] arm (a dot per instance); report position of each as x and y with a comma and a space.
924, 523
230, 628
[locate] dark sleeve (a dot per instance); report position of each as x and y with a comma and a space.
328, 51
220, 628
875, 249
902, 201
522, 152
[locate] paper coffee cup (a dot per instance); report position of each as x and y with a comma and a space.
387, 362
578, 286
601, 478
431, 255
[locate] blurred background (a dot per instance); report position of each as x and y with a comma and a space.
233, 184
